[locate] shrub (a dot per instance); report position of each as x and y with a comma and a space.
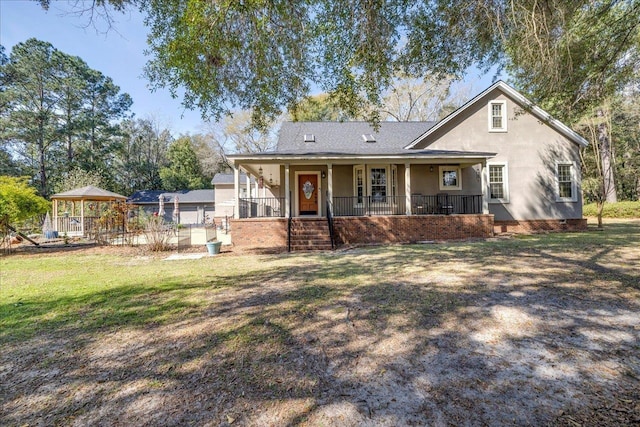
156, 232
614, 210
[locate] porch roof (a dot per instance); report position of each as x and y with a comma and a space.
419, 155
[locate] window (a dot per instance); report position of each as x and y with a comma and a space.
358, 173
498, 116
379, 184
450, 178
566, 182
498, 183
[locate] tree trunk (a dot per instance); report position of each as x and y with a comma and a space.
599, 209
608, 176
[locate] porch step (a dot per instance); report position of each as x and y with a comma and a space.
308, 234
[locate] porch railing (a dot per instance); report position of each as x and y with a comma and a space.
369, 205
262, 207
72, 225
445, 204
438, 204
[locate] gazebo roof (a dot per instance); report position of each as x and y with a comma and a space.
88, 193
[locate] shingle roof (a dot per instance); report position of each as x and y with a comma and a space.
87, 193
347, 137
227, 178
151, 196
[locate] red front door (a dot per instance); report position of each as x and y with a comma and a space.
308, 194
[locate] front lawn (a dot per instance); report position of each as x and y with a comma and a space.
533, 330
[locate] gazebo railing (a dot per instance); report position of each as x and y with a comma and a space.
72, 225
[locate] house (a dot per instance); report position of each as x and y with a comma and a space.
194, 206
226, 195
497, 164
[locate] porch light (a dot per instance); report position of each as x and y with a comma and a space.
431, 168
260, 171
309, 137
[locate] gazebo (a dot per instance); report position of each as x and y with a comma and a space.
76, 211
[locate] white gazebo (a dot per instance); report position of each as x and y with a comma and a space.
75, 211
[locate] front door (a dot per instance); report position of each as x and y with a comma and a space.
308, 194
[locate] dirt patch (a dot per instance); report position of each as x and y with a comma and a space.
501, 333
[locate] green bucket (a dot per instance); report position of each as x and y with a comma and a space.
214, 247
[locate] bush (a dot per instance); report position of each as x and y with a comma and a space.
156, 233
614, 210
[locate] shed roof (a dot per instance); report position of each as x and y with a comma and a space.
187, 196
227, 178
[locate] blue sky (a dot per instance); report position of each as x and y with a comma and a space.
117, 54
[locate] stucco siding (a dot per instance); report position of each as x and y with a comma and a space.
529, 148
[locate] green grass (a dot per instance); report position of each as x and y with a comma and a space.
614, 210
73, 291
254, 331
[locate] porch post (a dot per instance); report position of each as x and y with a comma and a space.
55, 214
407, 187
287, 191
485, 187
82, 217
248, 182
236, 191
330, 187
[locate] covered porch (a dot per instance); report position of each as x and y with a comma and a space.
303, 188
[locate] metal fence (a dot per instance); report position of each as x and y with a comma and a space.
438, 204
262, 207
369, 205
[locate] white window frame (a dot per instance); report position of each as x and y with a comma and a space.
574, 182
458, 171
503, 109
355, 183
391, 174
505, 182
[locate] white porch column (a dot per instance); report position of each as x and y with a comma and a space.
407, 187
82, 217
236, 192
330, 186
485, 187
287, 192
248, 186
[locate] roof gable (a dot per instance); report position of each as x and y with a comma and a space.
423, 140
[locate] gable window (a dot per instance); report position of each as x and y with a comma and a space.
498, 183
497, 116
566, 182
450, 178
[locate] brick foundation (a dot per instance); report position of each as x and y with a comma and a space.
540, 225
409, 229
271, 233
263, 233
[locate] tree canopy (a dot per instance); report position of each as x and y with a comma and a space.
18, 200
57, 113
266, 56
